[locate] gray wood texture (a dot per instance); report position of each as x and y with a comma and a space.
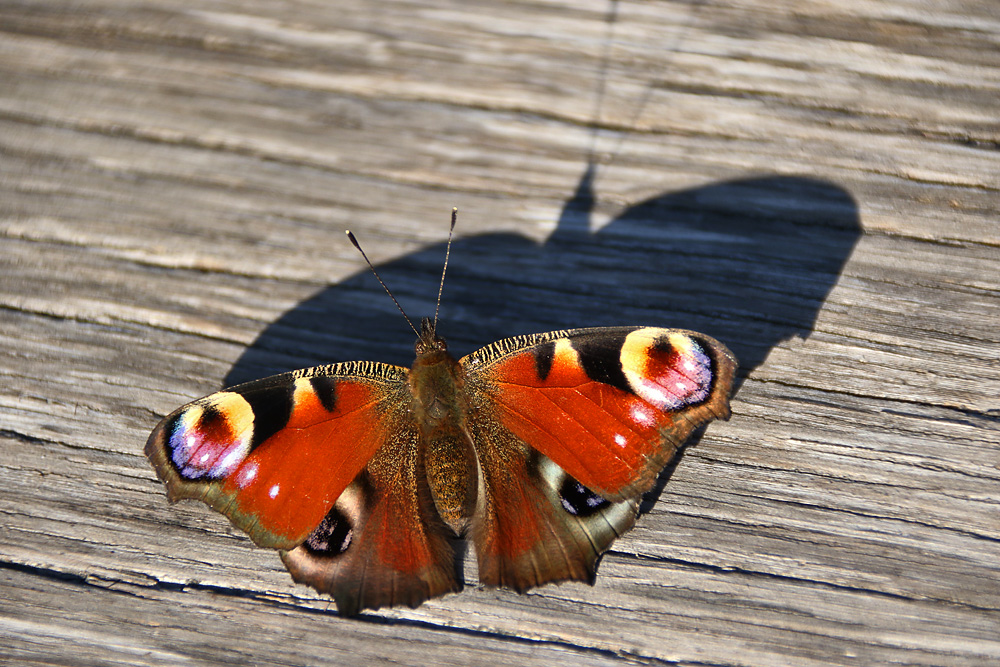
814, 183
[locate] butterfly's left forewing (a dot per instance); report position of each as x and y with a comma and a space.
571, 428
273, 455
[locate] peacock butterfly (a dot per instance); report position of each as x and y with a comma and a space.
536, 448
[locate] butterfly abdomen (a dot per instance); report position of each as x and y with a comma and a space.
450, 468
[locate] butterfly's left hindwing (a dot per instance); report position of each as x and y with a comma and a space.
382, 544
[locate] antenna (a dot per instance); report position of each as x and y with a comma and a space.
444, 269
382, 282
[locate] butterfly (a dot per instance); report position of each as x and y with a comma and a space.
364, 475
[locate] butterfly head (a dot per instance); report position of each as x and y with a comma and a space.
429, 341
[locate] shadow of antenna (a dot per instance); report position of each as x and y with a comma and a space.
748, 261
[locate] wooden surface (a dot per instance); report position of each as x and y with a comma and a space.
814, 183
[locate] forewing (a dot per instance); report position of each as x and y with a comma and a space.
609, 406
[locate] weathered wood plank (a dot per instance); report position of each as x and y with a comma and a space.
813, 183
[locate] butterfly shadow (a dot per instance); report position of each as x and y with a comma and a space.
749, 262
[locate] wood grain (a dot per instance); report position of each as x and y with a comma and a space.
814, 183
